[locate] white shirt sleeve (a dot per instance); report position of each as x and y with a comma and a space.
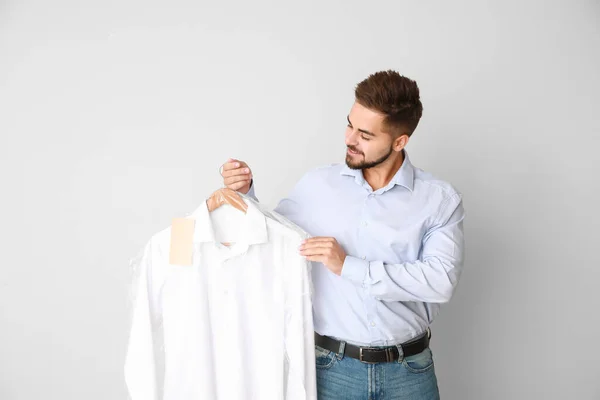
145, 340
299, 331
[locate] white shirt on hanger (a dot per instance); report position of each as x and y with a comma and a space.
236, 324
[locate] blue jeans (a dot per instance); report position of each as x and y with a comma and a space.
344, 378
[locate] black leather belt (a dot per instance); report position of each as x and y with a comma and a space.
373, 355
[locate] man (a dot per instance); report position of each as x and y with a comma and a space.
387, 246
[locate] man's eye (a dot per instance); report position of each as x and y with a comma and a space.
365, 138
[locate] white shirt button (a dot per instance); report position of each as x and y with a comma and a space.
364, 257
372, 323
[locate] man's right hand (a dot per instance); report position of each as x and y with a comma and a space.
236, 175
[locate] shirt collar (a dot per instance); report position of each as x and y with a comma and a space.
253, 230
405, 176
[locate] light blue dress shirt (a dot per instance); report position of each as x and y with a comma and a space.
404, 245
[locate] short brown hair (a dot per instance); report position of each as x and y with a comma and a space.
395, 96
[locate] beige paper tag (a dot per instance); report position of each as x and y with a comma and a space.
182, 239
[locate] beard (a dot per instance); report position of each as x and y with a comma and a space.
364, 164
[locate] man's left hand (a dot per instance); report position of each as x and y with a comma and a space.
325, 250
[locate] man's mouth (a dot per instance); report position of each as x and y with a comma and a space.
353, 152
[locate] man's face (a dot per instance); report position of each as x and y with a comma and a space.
366, 144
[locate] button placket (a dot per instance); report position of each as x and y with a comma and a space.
371, 307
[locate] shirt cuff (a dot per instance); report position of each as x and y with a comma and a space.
251, 191
355, 269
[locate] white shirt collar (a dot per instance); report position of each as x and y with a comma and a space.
253, 230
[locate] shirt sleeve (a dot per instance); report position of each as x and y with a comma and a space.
299, 331
144, 348
290, 207
432, 278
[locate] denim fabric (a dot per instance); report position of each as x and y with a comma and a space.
344, 378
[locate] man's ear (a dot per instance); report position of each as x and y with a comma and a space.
400, 142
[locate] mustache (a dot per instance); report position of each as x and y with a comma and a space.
354, 149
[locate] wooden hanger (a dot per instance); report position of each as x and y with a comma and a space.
226, 196
182, 229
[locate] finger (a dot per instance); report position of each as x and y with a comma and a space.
317, 245
230, 165
314, 252
237, 185
234, 172
229, 161
237, 178
319, 239
320, 259
233, 165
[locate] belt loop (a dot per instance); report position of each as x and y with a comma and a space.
341, 350
400, 353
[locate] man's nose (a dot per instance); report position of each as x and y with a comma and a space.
351, 138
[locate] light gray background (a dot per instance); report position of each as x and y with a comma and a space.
116, 115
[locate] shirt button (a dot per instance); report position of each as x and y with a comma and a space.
364, 257
372, 323
365, 223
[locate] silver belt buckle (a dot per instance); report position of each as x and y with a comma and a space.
389, 356
360, 356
